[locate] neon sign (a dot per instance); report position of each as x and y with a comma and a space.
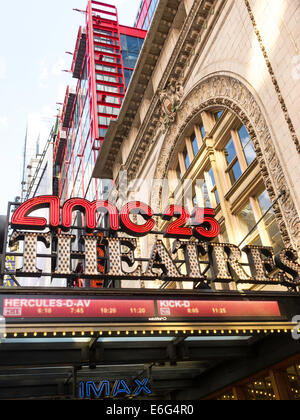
193, 233
120, 387
206, 226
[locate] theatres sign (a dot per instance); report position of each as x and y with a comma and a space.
193, 234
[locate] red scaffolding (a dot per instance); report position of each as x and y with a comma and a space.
98, 64
105, 67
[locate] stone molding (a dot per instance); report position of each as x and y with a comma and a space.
230, 93
274, 80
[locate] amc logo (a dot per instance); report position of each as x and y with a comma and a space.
201, 223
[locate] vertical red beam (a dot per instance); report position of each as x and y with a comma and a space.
91, 70
121, 57
104, 17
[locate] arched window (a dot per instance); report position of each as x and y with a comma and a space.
218, 157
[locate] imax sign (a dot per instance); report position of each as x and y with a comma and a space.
119, 389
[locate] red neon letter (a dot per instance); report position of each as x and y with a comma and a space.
176, 229
82, 205
209, 228
132, 228
20, 217
111, 209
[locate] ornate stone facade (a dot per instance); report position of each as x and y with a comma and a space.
216, 54
230, 93
274, 80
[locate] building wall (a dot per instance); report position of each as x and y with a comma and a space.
242, 56
238, 55
233, 49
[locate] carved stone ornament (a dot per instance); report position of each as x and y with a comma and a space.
170, 99
228, 92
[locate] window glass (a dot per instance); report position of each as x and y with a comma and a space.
89, 164
265, 203
194, 141
247, 145
104, 121
104, 49
234, 170
102, 132
108, 110
218, 115
76, 116
230, 152
127, 75
106, 68
131, 47
104, 40
105, 77
69, 145
247, 219
186, 159
205, 195
270, 222
105, 88
212, 177
152, 8
84, 84
214, 190
195, 201
202, 129
146, 24
102, 32
108, 59
112, 100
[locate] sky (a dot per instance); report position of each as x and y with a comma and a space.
34, 38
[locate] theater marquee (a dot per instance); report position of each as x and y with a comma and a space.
194, 234
46, 308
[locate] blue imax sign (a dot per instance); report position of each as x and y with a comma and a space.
119, 389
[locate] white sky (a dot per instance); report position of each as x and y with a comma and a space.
34, 36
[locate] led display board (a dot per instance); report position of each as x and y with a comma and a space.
44, 309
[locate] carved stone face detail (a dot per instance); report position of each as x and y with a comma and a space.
170, 99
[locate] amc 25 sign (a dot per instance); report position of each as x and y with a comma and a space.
194, 234
206, 227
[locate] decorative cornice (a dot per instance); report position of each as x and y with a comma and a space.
273, 77
157, 120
